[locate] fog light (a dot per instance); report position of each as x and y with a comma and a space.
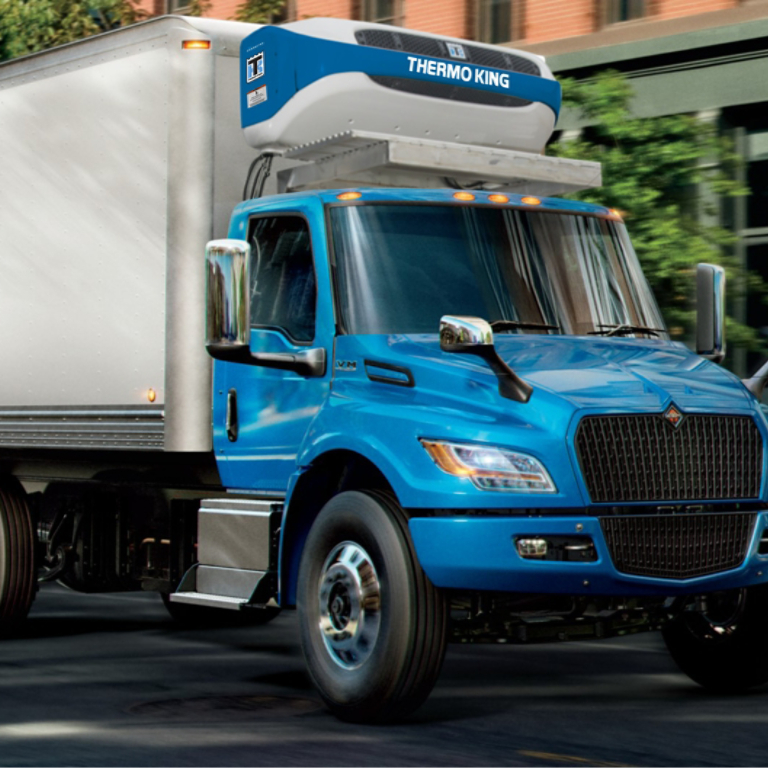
529, 548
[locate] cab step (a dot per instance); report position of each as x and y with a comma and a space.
237, 548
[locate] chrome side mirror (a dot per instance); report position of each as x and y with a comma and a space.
473, 335
457, 334
228, 305
710, 312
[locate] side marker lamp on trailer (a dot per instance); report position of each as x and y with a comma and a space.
491, 469
196, 45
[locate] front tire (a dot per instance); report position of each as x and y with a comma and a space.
373, 627
18, 582
725, 648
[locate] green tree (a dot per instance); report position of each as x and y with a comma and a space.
657, 172
27, 26
259, 11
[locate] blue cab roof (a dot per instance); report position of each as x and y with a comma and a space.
407, 195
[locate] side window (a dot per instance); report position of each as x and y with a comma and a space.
282, 276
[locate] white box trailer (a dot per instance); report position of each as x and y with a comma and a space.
123, 156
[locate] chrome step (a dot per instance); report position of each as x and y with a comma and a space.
209, 601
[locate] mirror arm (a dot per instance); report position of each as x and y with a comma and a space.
309, 363
511, 385
756, 384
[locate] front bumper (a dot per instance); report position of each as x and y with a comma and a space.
479, 553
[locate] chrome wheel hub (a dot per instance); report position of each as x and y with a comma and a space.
350, 605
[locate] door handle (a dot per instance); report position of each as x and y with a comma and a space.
232, 423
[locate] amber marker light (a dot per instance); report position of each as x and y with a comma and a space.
349, 196
498, 198
464, 196
196, 45
616, 212
151, 395
531, 201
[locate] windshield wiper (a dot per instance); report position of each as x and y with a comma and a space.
623, 329
509, 325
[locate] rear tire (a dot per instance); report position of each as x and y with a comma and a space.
724, 649
373, 627
201, 617
18, 583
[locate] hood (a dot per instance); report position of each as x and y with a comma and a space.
588, 372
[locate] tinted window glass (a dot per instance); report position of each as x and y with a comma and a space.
283, 276
400, 268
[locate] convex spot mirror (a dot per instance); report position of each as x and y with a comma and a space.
473, 335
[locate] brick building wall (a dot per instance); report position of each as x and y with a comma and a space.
553, 19
535, 21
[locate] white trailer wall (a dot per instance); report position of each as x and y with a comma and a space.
106, 201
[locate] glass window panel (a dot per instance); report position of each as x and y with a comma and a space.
400, 268
282, 276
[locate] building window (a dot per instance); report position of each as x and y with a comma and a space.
177, 7
617, 11
494, 21
381, 11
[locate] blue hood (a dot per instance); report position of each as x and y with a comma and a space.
587, 372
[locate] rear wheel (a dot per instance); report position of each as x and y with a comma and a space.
373, 627
17, 555
723, 644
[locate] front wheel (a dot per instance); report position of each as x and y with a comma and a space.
373, 627
723, 643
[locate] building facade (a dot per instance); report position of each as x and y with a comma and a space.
702, 57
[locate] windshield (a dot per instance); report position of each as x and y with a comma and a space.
400, 268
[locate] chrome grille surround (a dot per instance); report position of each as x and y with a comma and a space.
642, 458
678, 546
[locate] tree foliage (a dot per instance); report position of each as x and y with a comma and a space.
259, 11
666, 175
27, 26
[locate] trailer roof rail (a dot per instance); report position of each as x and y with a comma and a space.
360, 158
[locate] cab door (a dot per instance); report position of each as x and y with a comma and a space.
261, 415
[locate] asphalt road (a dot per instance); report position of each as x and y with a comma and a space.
110, 680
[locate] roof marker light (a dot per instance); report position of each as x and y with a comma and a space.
463, 196
531, 201
498, 198
349, 196
616, 212
195, 45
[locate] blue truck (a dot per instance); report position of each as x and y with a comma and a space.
411, 395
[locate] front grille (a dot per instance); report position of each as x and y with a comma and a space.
644, 458
437, 49
450, 92
678, 546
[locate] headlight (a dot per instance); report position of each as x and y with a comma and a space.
491, 469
